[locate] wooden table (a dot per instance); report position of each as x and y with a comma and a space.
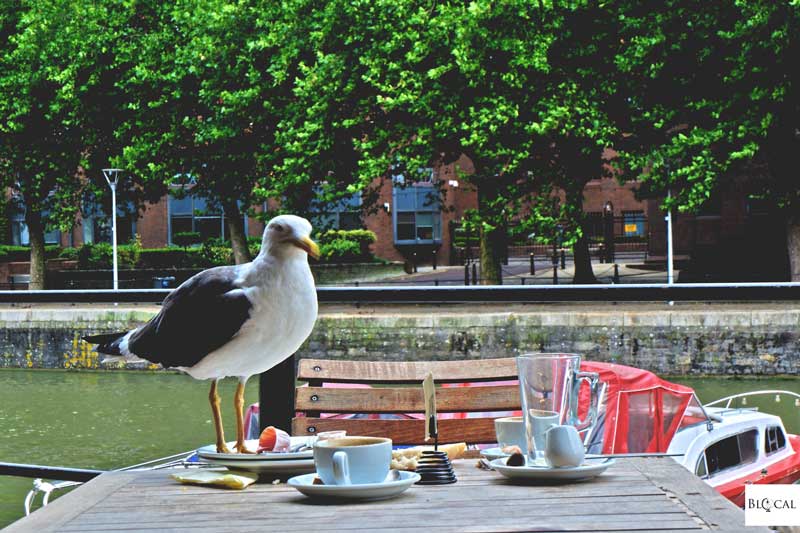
634, 494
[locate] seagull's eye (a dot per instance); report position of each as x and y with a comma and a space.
278, 228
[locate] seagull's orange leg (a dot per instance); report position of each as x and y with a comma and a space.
213, 398
238, 405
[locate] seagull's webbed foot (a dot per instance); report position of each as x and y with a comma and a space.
223, 449
241, 448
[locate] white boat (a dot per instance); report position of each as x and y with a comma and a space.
727, 446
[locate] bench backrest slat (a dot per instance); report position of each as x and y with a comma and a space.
388, 396
333, 371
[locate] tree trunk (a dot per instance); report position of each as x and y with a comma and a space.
492, 252
33, 219
241, 254
492, 242
793, 247
580, 251
583, 262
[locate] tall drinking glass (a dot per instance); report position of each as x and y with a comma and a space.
549, 385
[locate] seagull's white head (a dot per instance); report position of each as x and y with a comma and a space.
286, 233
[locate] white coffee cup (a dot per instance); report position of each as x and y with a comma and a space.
563, 447
510, 431
353, 460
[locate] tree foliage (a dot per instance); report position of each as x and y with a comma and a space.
399, 87
207, 97
51, 53
713, 95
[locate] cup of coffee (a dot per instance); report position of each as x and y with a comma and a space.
510, 431
353, 460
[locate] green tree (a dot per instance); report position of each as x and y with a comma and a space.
399, 87
48, 53
713, 92
207, 98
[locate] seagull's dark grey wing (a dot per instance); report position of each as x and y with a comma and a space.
198, 317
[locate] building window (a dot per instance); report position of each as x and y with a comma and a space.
633, 223
97, 225
774, 439
20, 236
417, 213
344, 213
731, 452
193, 213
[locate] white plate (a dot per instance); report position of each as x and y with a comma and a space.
589, 469
210, 452
494, 453
268, 466
372, 491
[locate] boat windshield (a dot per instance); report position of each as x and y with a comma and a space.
641, 411
729, 452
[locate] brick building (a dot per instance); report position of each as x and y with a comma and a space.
409, 218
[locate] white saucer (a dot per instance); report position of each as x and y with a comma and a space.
372, 491
589, 469
494, 453
268, 466
210, 452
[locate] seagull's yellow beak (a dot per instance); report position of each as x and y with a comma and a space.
305, 243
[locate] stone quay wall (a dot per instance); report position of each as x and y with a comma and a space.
713, 339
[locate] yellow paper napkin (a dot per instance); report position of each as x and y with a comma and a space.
229, 479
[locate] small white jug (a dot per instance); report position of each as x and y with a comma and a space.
563, 447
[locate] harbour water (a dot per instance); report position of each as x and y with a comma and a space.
110, 420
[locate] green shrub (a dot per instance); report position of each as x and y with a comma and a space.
346, 246
68, 253
216, 255
95, 255
100, 255
340, 250
172, 257
11, 253
186, 238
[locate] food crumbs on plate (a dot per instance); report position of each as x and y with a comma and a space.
516, 459
512, 449
317, 481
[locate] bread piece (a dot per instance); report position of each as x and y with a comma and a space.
404, 463
406, 458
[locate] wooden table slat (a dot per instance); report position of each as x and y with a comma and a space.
633, 495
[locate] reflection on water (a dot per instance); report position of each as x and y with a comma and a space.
114, 419
100, 420
710, 389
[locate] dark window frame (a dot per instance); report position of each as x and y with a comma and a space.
714, 468
776, 444
426, 203
197, 216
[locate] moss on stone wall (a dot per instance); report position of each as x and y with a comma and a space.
732, 341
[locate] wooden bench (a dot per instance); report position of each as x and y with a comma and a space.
396, 387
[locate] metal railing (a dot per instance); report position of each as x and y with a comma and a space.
643, 292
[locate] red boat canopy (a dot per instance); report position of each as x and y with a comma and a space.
640, 413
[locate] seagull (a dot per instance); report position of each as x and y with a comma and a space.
231, 321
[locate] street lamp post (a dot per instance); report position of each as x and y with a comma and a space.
608, 231
670, 268
112, 178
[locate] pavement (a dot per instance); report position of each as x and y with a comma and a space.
517, 272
